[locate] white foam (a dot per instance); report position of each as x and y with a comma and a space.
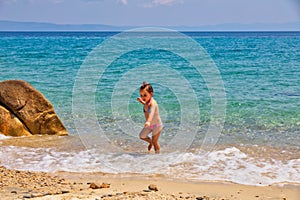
3, 137
229, 164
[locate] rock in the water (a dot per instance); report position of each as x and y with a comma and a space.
11, 125
31, 108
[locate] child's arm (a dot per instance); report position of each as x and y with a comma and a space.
141, 100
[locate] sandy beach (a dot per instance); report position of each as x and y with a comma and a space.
16, 184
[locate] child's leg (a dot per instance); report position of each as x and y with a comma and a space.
155, 135
144, 136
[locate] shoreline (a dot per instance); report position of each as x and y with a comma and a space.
16, 184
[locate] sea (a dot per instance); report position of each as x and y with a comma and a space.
229, 102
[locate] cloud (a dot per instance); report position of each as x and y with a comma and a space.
154, 3
124, 2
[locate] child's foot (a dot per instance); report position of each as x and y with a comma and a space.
149, 147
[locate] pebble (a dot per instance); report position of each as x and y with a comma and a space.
105, 185
153, 187
27, 196
34, 195
94, 186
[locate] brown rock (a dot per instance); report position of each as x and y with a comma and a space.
94, 186
27, 196
105, 185
153, 187
30, 107
11, 125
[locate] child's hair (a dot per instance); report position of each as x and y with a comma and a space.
147, 87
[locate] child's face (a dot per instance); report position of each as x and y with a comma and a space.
145, 95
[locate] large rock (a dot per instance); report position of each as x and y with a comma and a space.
31, 108
11, 125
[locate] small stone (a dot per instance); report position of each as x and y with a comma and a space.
36, 195
105, 185
153, 187
27, 196
65, 191
199, 198
146, 190
13, 192
94, 186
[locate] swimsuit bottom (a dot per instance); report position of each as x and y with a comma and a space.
155, 129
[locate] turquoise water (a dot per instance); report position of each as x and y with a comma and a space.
260, 73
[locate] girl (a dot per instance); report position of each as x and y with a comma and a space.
153, 122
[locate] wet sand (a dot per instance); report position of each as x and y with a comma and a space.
16, 184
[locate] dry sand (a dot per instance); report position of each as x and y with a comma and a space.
16, 184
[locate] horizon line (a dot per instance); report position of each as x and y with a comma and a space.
8, 25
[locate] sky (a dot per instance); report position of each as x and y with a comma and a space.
151, 12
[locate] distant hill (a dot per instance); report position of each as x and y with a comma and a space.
38, 26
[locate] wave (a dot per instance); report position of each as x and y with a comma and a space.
227, 164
